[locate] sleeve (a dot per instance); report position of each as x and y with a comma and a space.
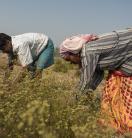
96, 79
25, 55
89, 64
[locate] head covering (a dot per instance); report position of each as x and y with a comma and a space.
74, 44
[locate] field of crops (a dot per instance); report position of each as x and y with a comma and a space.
50, 107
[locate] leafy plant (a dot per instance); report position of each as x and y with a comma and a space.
49, 107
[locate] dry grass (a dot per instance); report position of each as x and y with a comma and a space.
49, 107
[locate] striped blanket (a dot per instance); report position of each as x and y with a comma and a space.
112, 51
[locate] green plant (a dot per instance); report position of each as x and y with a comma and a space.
62, 66
48, 108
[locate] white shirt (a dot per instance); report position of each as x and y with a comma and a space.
28, 46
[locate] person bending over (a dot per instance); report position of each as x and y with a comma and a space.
35, 51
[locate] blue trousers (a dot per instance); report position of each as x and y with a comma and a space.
46, 57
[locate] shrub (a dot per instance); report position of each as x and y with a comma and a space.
62, 66
48, 108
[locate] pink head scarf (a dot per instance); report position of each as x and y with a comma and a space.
74, 44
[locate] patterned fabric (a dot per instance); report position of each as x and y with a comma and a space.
111, 51
117, 102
